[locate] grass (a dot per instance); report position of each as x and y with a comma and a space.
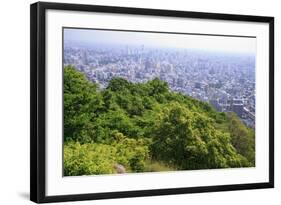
156, 166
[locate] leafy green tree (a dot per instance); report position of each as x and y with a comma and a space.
189, 140
118, 120
157, 86
118, 84
243, 138
131, 152
82, 103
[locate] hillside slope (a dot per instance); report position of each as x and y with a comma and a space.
146, 127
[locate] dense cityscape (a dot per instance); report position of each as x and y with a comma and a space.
225, 80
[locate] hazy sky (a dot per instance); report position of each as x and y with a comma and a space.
202, 42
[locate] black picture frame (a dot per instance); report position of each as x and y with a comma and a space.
38, 100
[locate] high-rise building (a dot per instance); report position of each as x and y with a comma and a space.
238, 109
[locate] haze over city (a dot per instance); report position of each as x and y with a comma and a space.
199, 42
215, 69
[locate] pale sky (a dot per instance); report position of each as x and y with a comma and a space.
202, 42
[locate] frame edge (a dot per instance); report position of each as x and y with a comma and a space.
37, 103
33, 103
153, 12
271, 102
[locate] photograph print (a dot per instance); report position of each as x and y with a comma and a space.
146, 101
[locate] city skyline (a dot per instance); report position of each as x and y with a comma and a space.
225, 80
209, 43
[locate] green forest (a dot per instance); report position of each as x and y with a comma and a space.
146, 127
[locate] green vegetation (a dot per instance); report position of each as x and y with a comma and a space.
146, 127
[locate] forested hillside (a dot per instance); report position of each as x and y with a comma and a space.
145, 127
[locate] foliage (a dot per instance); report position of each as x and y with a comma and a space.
81, 105
89, 158
243, 138
157, 166
93, 158
189, 140
147, 127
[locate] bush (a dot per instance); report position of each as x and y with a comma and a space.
93, 158
189, 140
88, 159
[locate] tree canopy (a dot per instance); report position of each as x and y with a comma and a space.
147, 127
